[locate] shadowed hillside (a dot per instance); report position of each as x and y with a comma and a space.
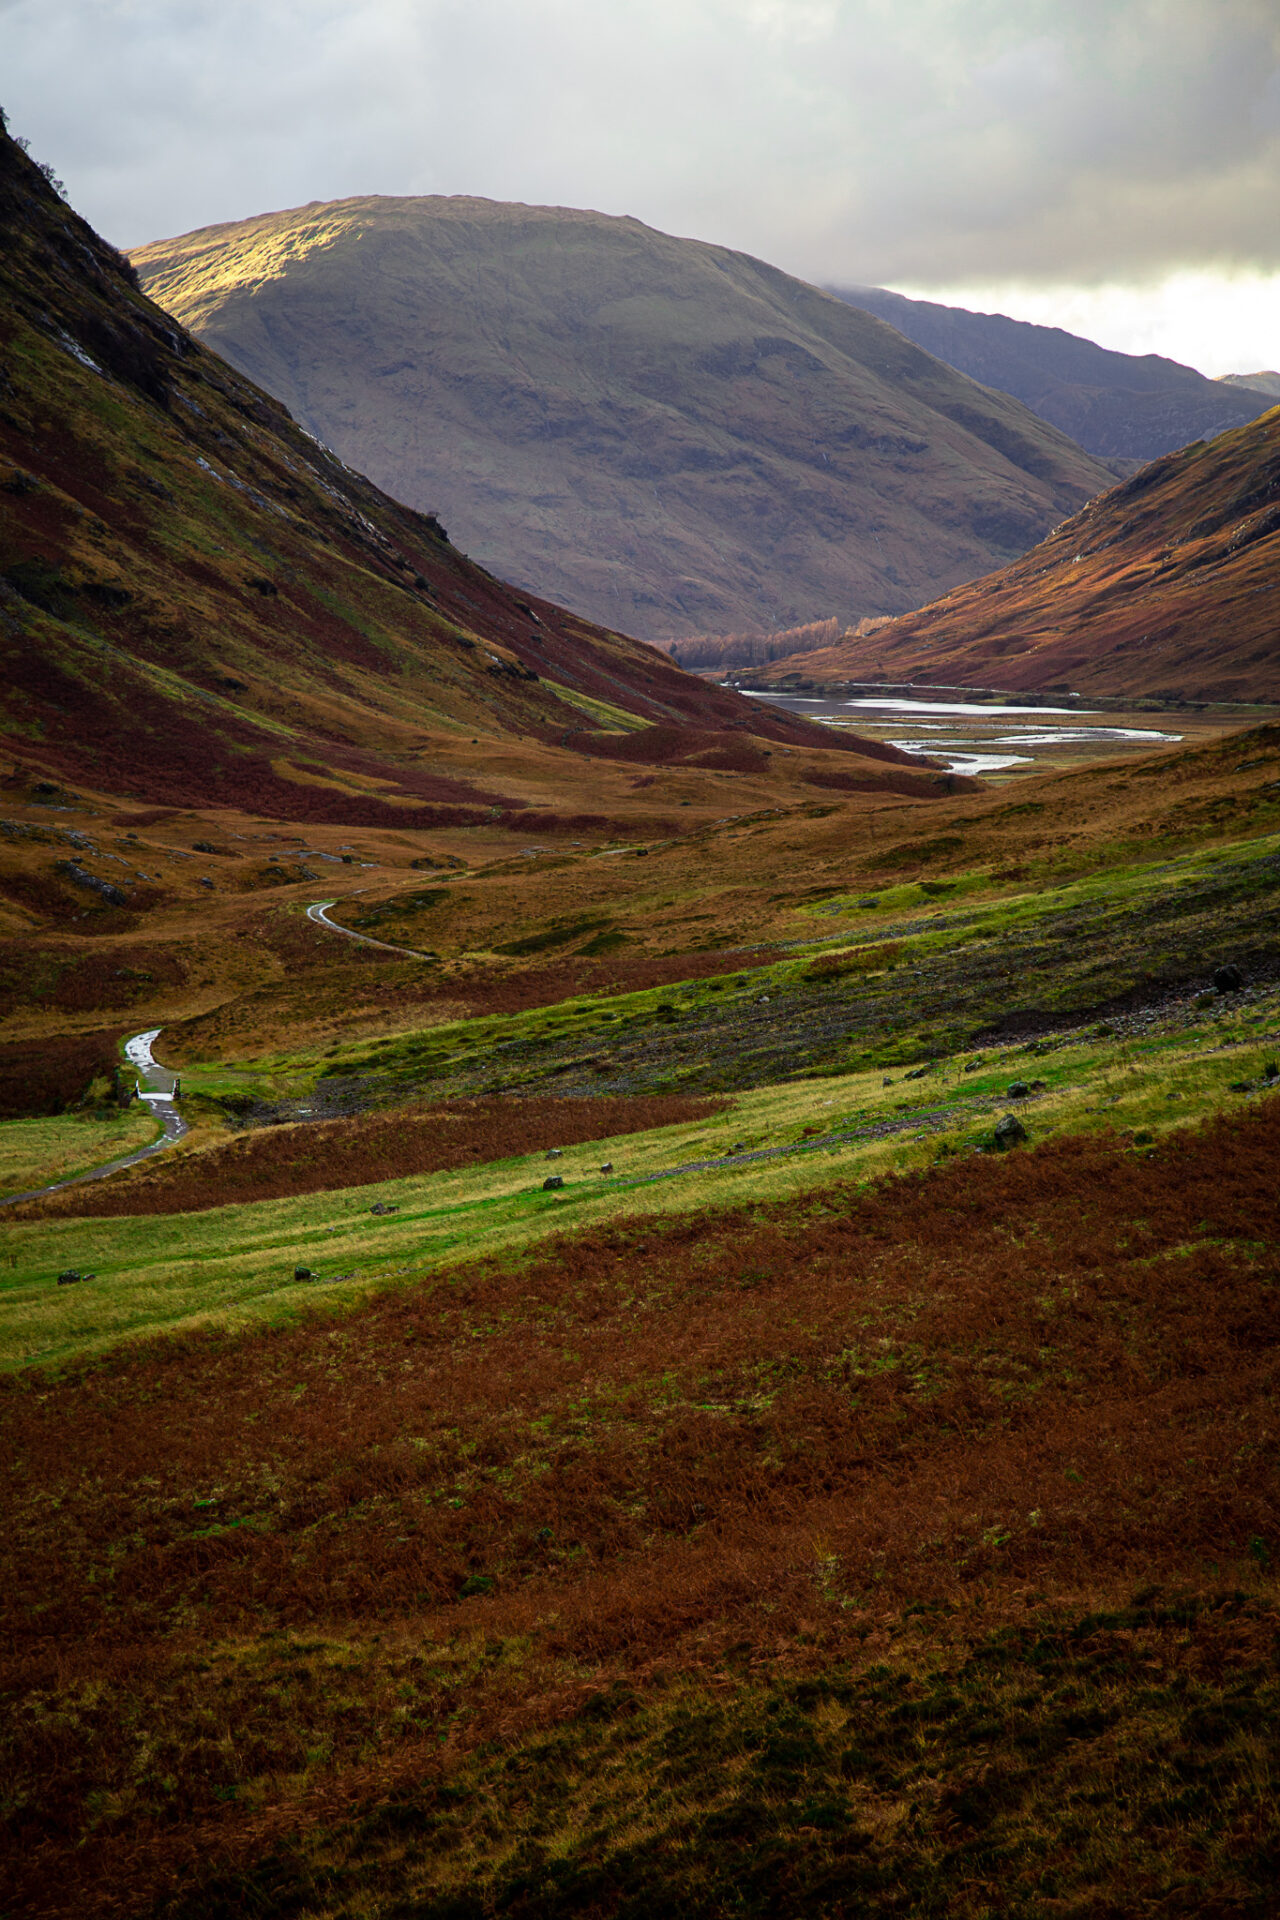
667, 436
1166, 586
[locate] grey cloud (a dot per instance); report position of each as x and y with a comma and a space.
921, 141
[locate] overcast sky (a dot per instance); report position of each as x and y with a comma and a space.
1109, 165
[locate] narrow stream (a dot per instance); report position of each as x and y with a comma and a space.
157, 1086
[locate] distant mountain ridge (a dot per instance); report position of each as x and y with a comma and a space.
670, 437
1116, 405
1268, 383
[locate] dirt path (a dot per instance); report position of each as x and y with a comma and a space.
156, 1085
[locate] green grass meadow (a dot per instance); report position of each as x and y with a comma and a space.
34, 1153
233, 1266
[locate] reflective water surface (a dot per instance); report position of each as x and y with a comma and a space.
985, 738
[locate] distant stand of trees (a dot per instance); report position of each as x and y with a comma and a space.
726, 650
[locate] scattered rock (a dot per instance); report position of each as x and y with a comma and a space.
739, 1146
970, 1066
1038, 1086
918, 1073
302, 1273
607, 1167
555, 1153
72, 1276
1228, 979
92, 884
553, 1182
380, 1206
1240, 1086
1010, 1132
868, 902
206, 883
1017, 1090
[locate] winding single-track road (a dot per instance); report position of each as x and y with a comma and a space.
156, 1086
318, 912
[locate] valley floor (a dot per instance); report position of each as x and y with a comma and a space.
911, 1541
804, 1507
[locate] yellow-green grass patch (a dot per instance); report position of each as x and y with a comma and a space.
233, 1266
34, 1153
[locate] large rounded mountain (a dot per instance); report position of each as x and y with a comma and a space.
668, 436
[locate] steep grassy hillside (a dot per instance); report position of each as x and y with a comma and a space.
1119, 405
1168, 586
667, 436
198, 603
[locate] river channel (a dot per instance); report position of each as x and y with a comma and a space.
1000, 740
